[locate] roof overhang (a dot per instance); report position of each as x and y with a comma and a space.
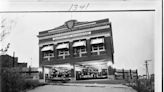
62, 46
80, 43
97, 41
47, 48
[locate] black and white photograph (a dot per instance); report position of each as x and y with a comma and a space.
81, 46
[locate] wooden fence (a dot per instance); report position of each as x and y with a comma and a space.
126, 74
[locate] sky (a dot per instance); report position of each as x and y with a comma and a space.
133, 35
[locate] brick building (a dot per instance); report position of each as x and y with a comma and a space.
78, 47
8, 61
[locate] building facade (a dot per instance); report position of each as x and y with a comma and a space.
10, 62
77, 44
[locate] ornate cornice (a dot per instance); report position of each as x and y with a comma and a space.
75, 27
75, 32
107, 34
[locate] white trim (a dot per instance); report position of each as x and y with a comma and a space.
72, 35
98, 50
75, 38
65, 53
80, 43
61, 46
97, 41
45, 43
46, 48
48, 56
86, 24
75, 32
56, 30
92, 61
80, 52
63, 29
82, 37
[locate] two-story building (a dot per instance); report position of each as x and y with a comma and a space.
78, 47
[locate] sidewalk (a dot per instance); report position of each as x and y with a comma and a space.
99, 81
83, 88
95, 83
86, 86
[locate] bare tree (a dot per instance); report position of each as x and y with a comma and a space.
6, 26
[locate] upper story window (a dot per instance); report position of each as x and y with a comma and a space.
48, 54
97, 46
79, 48
48, 51
63, 50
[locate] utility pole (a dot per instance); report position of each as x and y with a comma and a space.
31, 62
13, 59
147, 71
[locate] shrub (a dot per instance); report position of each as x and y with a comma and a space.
30, 84
14, 81
143, 85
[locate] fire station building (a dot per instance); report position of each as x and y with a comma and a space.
83, 49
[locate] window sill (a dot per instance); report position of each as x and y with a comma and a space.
48, 57
79, 57
97, 51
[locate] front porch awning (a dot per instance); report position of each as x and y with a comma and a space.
62, 46
80, 43
97, 41
47, 48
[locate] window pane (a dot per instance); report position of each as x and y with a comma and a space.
101, 47
60, 52
66, 53
47, 54
83, 49
95, 48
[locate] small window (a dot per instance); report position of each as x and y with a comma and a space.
97, 48
63, 50
48, 54
83, 49
101, 47
94, 48
63, 53
66, 52
79, 51
79, 48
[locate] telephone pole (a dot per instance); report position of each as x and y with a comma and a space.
13, 59
147, 71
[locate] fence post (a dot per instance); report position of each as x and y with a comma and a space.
136, 74
43, 69
115, 73
130, 74
123, 73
